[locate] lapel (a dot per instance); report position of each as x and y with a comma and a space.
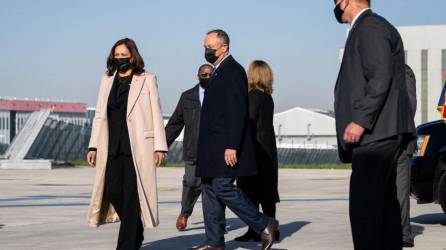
222, 64
196, 93
193, 97
135, 91
108, 86
350, 34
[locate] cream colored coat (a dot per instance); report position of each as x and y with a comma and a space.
147, 135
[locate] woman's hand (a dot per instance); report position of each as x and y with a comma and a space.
159, 158
91, 158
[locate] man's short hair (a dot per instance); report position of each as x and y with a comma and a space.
203, 66
366, 1
363, 1
222, 35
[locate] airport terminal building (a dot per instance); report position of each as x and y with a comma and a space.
425, 50
305, 128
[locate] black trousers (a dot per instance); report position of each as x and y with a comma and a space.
122, 192
191, 188
403, 191
268, 205
219, 193
374, 209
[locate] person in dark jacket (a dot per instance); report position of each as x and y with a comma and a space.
405, 163
225, 148
187, 116
261, 188
372, 112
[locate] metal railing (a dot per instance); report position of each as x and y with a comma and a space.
285, 155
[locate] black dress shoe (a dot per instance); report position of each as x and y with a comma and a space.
268, 235
249, 236
206, 247
277, 238
408, 243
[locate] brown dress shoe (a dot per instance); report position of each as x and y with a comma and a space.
206, 247
268, 235
181, 222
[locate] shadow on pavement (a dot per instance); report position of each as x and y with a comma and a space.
430, 219
231, 224
186, 241
417, 230
286, 230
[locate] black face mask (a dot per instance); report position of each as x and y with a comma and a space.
122, 64
204, 83
210, 56
338, 13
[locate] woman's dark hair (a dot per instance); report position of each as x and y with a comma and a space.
135, 58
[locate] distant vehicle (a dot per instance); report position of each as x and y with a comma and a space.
428, 181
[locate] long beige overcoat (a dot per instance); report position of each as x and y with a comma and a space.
147, 135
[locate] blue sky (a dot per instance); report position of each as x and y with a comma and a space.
57, 49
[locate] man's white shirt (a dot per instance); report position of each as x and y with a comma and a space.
201, 94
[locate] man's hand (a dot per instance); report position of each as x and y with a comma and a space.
353, 133
231, 157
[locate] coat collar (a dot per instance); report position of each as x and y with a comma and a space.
134, 92
195, 93
350, 34
222, 64
358, 22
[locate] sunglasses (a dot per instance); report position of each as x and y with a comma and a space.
205, 75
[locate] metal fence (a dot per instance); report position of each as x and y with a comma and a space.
60, 141
3, 148
285, 155
46, 137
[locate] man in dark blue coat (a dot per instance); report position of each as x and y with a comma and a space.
225, 147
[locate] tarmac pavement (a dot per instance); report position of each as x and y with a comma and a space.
42, 209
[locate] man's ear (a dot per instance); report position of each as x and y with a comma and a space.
226, 48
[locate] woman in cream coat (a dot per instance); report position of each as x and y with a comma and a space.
127, 143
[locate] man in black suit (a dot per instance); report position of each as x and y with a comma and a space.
372, 117
187, 116
405, 162
225, 147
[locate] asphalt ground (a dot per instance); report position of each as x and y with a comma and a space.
41, 209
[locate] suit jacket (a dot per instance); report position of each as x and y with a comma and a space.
187, 116
412, 92
224, 124
118, 134
371, 86
146, 132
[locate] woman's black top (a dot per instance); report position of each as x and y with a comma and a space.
119, 142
